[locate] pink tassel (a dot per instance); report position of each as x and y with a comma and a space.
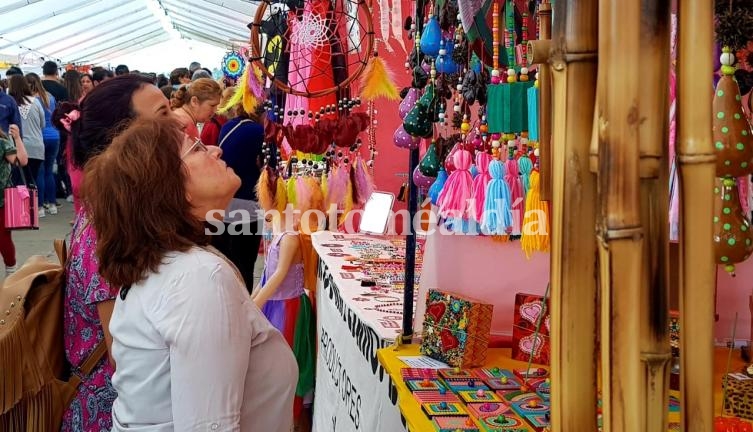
478, 194
455, 197
337, 186
302, 194
516, 190
364, 184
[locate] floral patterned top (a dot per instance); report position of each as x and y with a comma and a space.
91, 410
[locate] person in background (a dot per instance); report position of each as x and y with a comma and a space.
100, 74
87, 84
46, 183
241, 140
201, 73
193, 67
9, 114
196, 103
180, 76
13, 70
51, 82
167, 91
121, 70
184, 326
162, 81
72, 81
32, 119
210, 133
11, 154
89, 298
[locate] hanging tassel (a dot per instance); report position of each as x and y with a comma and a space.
438, 185
516, 190
497, 217
337, 187
535, 236
302, 194
324, 188
533, 110
316, 199
478, 194
281, 195
454, 199
377, 81
525, 166
347, 203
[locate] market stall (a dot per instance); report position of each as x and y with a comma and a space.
353, 392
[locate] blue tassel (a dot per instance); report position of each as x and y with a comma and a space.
474, 171
497, 216
533, 113
525, 166
437, 186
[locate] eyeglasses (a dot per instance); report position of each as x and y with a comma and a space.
196, 145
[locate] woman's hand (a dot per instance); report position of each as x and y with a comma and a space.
14, 131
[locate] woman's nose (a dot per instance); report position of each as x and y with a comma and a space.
216, 151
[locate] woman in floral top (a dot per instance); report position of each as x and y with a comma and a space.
89, 299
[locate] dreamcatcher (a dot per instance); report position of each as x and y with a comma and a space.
233, 65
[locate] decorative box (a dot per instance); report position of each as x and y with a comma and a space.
456, 329
525, 342
739, 401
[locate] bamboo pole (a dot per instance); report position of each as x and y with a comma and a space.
697, 170
545, 107
620, 232
654, 173
573, 62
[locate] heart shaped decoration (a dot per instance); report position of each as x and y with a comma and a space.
531, 344
436, 311
531, 311
448, 340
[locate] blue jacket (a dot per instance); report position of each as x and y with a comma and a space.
9, 113
241, 149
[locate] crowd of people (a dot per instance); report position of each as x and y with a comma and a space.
177, 309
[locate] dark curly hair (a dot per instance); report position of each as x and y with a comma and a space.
104, 112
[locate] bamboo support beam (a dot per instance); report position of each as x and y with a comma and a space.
573, 298
696, 159
545, 106
620, 233
654, 173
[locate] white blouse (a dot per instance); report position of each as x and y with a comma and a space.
194, 353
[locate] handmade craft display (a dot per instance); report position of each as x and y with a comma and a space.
470, 401
733, 141
456, 330
466, 193
531, 314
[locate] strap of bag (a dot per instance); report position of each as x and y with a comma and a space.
23, 176
232, 130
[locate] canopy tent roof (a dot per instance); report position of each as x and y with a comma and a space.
94, 31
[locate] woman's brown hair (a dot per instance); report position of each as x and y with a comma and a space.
135, 194
202, 88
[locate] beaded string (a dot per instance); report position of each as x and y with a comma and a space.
510, 33
495, 38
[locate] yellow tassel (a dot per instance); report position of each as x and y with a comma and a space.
324, 187
317, 199
281, 196
377, 81
264, 192
243, 93
535, 236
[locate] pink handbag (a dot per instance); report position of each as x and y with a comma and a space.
21, 206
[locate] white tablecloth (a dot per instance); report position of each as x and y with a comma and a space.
353, 391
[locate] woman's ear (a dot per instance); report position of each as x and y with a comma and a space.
195, 101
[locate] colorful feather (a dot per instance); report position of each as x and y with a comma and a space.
316, 199
377, 81
291, 191
281, 195
364, 183
337, 187
265, 190
302, 194
348, 202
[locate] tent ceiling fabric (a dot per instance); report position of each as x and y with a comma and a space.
90, 31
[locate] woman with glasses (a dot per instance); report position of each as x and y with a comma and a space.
89, 299
193, 351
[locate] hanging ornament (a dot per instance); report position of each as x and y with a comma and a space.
404, 140
445, 63
233, 65
732, 134
422, 181
418, 123
431, 37
733, 239
409, 101
535, 235
429, 165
